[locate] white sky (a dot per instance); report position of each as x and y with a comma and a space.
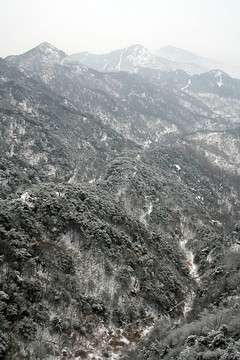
210, 28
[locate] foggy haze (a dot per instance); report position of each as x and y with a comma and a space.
207, 28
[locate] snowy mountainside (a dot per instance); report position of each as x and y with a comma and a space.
142, 106
130, 59
127, 59
215, 81
221, 148
218, 91
119, 220
39, 127
44, 54
110, 252
106, 259
214, 95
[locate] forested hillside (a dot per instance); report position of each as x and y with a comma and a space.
119, 223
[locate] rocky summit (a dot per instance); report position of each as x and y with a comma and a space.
120, 203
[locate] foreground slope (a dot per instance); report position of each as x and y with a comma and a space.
89, 270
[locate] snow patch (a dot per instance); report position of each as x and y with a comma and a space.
210, 257
220, 82
120, 60
4, 79
235, 248
27, 199
11, 153
185, 87
188, 302
104, 138
216, 222
25, 107
147, 212
193, 270
147, 143
72, 179
52, 170
177, 167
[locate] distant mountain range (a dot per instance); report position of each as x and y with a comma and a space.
167, 102
173, 53
120, 203
130, 58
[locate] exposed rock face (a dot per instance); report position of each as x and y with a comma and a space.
119, 211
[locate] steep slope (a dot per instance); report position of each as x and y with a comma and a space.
44, 137
217, 82
221, 148
110, 249
219, 91
214, 335
84, 274
119, 99
214, 95
40, 57
142, 107
96, 266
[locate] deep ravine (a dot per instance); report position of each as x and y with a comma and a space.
193, 270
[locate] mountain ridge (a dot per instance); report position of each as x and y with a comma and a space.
166, 58
116, 90
129, 58
174, 53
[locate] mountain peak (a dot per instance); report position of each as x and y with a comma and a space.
130, 59
48, 49
136, 47
45, 44
218, 72
44, 52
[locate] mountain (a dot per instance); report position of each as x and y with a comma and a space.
130, 59
39, 126
173, 53
119, 218
140, 107
217, 82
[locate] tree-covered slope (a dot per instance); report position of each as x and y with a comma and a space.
90, 269
148, 106
44, 137
119, 212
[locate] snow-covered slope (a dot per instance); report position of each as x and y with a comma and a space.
130, 59
104, 240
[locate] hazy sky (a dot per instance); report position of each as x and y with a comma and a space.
210, 28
